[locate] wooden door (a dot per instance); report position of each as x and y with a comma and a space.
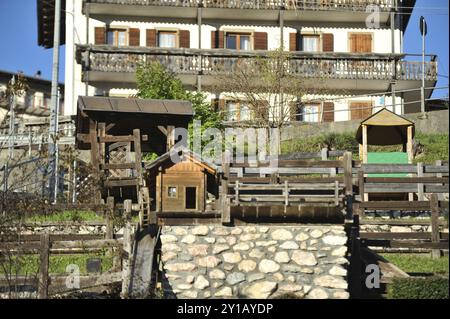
360, 110
361, 43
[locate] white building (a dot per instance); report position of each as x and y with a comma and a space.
342, 42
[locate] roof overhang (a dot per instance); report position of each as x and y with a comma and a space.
46, 22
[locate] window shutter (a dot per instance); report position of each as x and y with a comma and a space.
185, 39
328, 42
134, 37
328, 112
260, 39
217, 38
218, 105
151, 38
293, 42
100, 35
294, 110
361, 43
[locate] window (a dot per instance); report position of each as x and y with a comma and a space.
172, 192
361, 43
232, 111
310, 43
311, 113
238, 111
117, 37
167, 39
238, 41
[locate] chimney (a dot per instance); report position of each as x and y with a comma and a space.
38, 74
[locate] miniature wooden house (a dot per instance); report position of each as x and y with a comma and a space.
183, 186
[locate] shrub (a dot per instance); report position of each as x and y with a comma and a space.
419, 288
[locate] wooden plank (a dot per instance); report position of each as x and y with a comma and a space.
121, 183
109, 214
403, 188
396, 205
58, 283
127, 259
105, 243
43, 266
138, 155
362, 191
20, 238
225, 203
400, 236
399, 222
116, 139
405, 244
325, 180
407, 180
118, 166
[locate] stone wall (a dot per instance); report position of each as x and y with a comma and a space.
255, 262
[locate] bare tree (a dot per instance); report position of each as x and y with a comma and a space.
269, 88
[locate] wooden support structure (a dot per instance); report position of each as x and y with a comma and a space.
225, 202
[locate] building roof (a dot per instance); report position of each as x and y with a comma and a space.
385, 128
133, 105
187, 154
45, 18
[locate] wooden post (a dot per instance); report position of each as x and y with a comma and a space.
43, 267
348, 176
324, 154
336, 193
360, 148
226, 216
236, 193
138, 156
365, 146
109, 218
286, 193
127, 207
409, 145
361, 185
355, 264
439, 175
420, 186
95, 161
435, 235
127, 259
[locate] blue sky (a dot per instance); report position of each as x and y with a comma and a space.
19, 49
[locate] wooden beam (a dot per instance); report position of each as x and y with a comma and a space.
410, 144
365, 146
435, 235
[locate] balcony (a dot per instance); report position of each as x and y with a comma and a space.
265, 11
336, 71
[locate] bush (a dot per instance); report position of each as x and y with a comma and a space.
419, 288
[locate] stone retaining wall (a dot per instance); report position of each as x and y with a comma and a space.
255, 262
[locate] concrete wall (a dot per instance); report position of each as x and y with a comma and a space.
433, 123
255, 262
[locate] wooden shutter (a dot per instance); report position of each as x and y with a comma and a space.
360, 110
260, 39
134, 37
151, 38
100, 35
328, 42
218, 105
361, 43
217, 38
185, 39
294, 111
328, 112
293, 42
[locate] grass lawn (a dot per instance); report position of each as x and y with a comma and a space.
416, 263
30, 264
66, 216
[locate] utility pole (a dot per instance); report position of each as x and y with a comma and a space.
12, 119
53, 131
423, 31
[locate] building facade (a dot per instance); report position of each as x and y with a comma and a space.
353, 48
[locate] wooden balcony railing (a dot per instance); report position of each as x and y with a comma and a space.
220, 62
336, 5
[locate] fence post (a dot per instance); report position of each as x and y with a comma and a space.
126, 259
420, 187
435, 235
226, 216
348, 182
43, 266
109, 218
355, 259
